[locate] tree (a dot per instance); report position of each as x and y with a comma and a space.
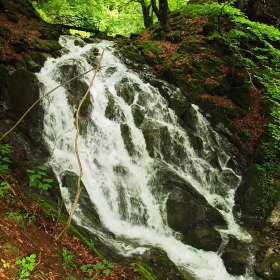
147, 17
161, 11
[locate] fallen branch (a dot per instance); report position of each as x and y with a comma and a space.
78, 191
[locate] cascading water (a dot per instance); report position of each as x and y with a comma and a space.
128, 134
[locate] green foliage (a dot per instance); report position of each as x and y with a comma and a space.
4, 159
27, 265
20, 218
68, 259
38, 178
3, 189
104, 267
269, 172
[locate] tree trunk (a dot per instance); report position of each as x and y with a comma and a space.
162, 11
148, 19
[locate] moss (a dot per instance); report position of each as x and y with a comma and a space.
253, 194
242, 97
145, 271
174, 37
152, 51
3, 76
53, 45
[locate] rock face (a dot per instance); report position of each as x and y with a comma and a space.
23, 91
189, 213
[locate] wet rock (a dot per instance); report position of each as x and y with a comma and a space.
138, 114
92, 56
127, 139
23, 91
158, 141
247, 198
189, 213
235, 256
114, 111
79, 42
158, 265
125, 90
76, 89
174, 97
203, 237
69, 181
31, 65
235, 262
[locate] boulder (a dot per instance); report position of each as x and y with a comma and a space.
235, 256
269, 268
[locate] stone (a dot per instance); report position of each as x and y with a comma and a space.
235, 256
273, 219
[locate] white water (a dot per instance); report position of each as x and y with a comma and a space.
129, 205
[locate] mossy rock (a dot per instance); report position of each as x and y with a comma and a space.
23, 91
155, 265
235, 262
53, 45
20, 46
248, 196
269, 268
138, 115
242, 97
174, 37
235, 256
31, 65
152, 51
127, 139
3, 81
38, 57
203, 237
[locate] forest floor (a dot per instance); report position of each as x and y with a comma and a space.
25, 231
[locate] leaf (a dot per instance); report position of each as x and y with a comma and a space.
106, 272
42, 167
98, 266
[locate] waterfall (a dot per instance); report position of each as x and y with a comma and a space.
128, 134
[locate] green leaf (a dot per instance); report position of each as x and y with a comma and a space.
106, 272
43, 167
98, 266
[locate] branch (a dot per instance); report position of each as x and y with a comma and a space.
46, 94
78, 191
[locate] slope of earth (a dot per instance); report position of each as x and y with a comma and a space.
187, 54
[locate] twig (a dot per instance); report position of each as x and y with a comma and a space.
46, 94
78, 191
